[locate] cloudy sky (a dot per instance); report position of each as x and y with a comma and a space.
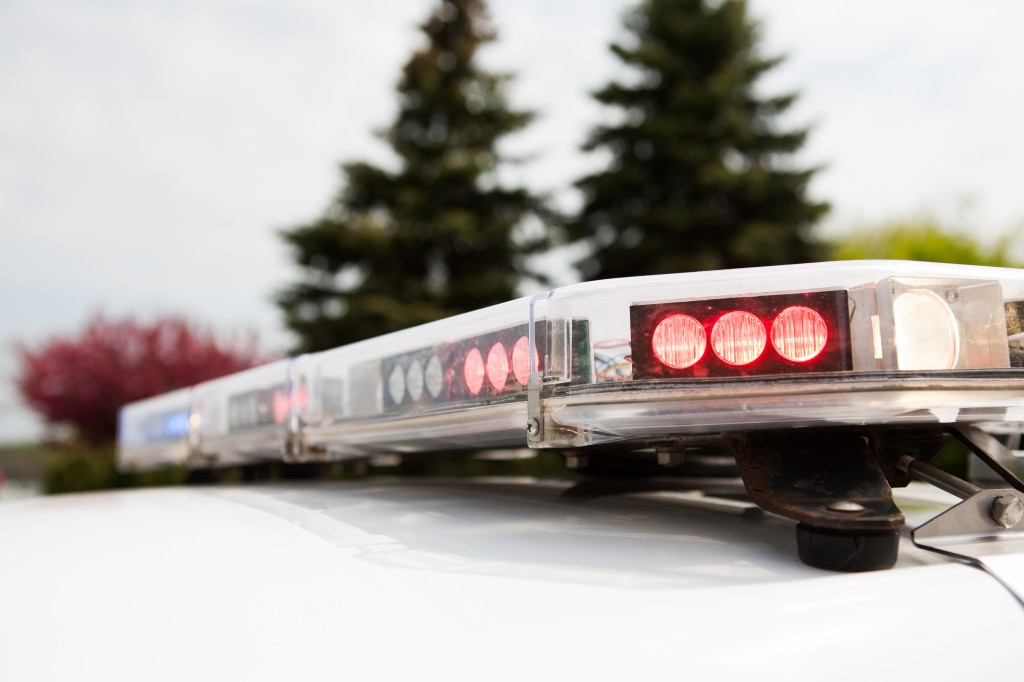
150, 150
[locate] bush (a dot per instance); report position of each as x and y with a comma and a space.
81, 381
80, 469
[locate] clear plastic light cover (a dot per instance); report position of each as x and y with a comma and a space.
154, 432
246, 415
460, 382
647, 359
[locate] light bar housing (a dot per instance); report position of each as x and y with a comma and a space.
154, 432
902, 342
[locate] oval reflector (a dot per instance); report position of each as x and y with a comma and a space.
799, 334
473, 371
396, 385
497, 366
433, 376
521, 360
679, 341
738, 338
414, 380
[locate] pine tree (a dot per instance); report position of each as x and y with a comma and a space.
439, 235
700, 175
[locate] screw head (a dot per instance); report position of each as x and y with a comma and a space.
533, 426
1007, 510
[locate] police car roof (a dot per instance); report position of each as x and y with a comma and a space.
393, 579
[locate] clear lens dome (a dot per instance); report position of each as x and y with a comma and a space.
927, 334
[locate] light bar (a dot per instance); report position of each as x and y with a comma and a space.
637, 360
154, 432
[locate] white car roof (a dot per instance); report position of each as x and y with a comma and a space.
467, 580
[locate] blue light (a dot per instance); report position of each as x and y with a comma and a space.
175, 425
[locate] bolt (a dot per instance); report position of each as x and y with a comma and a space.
1007, 510
904, 462
533, 426
952, 295
846, 506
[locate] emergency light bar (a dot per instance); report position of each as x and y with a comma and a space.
640, 361
154, 432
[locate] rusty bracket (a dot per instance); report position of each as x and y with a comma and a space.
825, 479
836, 484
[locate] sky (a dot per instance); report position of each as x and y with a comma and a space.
152, 150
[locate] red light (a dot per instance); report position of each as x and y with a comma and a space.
281, 406
799, 334
738, 338
282, 403
521, 360
473, 371
679, 341
497, 366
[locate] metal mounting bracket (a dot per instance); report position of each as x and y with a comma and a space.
832, 484
534, 410
987, 523
988, 448
826, 480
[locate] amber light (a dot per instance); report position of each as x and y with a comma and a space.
799, 334
738, 338
679, 341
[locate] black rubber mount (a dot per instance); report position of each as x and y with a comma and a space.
847, 551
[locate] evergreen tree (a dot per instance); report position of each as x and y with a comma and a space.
439, 235
700, 175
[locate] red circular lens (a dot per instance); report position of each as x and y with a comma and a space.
799, 334
281, 406
679, 341
521, 360
738, 338
473, 371
497, 366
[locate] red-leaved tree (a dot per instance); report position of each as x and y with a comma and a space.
81, 380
